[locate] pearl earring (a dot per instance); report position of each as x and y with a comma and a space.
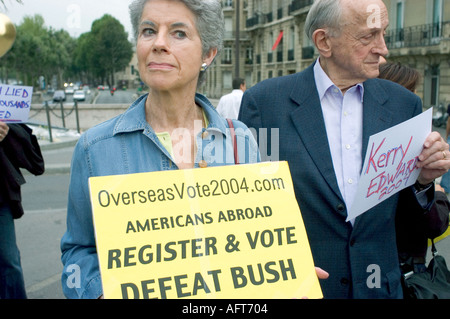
204, 67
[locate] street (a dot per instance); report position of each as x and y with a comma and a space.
101, 97
40, 230
119, 97
39, 233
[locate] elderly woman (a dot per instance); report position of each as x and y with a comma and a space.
172, 127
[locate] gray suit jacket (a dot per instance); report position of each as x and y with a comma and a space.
358, 257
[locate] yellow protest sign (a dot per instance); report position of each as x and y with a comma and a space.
219, 232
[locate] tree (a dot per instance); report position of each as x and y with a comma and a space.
110, 50
58, 61
38, 51
29, 49
82, 57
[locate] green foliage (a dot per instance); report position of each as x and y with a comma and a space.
105, 50
40, 51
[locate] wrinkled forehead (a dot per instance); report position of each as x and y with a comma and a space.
365, 13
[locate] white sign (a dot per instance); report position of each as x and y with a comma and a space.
390, 162
15, 103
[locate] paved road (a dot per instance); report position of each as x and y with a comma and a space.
119, 97
39, 232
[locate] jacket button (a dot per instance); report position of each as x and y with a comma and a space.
205, 134
340, 208
202, 164
344, 281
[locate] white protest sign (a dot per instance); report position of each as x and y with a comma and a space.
390, 162
15, 103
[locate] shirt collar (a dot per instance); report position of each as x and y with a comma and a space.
324, 83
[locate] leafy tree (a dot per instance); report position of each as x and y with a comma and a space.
82, 57
94, 56
38, 51
29, 49
58, 61
110, 50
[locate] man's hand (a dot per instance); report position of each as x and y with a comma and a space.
434, 159
321, 274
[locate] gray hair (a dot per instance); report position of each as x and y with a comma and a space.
324, 14
209, 23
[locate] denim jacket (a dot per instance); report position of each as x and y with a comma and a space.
127, 144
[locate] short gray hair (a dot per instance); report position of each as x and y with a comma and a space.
209, 22
324, 14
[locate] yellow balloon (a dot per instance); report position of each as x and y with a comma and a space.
7, 34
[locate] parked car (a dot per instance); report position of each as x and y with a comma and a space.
59, 95
79, 95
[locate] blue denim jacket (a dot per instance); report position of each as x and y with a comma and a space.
123, 145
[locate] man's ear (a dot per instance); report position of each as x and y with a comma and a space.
322, 42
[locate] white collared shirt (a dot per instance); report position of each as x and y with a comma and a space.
343, 115
230, 103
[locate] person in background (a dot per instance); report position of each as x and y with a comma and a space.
19, 149
325, 115
445, 180
413, 231
229, 104
401, 74
171, 127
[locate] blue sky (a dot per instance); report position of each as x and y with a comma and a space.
75, 16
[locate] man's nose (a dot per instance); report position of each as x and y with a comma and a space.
380, 46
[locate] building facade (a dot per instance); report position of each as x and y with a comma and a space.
237, 56
419, 36
272, 42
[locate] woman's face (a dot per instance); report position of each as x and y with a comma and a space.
169, 47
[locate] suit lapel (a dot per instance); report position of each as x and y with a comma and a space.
376, 115
309, 123
376, 118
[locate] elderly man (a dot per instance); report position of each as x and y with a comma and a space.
325, 115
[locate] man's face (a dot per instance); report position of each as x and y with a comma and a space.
356, 51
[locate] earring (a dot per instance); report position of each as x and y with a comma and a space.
204, 67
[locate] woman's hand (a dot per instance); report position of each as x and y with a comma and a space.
4, 129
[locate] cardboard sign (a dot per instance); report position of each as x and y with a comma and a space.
15, 103
390, 162
220, 232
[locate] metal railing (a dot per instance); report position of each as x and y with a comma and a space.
299, 4
416, 36
52, 109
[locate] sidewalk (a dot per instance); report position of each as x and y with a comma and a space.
58, 153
